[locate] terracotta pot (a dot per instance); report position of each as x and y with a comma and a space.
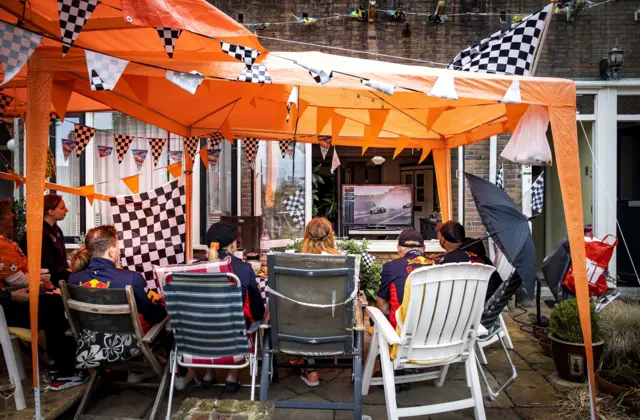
610, 388
570, 358
540, 332
545, 345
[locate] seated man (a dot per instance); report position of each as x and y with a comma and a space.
395, 273
102, 246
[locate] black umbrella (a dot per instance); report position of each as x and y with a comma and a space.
507, 226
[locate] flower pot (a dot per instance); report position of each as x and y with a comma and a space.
545, 345
570, 358
540, 332
607, 387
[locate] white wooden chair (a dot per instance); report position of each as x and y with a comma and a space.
442, 322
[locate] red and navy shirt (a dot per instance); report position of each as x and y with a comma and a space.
394, 276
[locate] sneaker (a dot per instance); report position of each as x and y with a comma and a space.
135, 377
310, 377
66, 382
209, 378
181, 382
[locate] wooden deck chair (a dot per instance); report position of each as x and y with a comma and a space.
106, 325
440, 328
207, 319
314, 313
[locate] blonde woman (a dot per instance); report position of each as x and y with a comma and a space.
319, 238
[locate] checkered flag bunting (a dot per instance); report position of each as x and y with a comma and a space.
122, 142
104, 70
192, 145
255, 74
510, 52
169, 38
247, 55
294, 205
16, 46
537, 195
287, 147
73, 15
215, 140
500, 178
262, 285
367, 260
151, 228
84, 135
250, 146
5, 101
187, 81
157, 145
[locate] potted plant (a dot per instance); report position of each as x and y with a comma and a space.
567, 341
619, 370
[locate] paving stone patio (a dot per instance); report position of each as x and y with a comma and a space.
531, 396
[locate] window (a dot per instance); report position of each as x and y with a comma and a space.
628, 105
276, 179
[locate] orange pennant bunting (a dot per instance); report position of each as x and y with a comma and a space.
133, 183
377, 117
324, 116
60, 95
89, 192
175, 169
432, 116
402, 143
204, 156
337, 122
425, 154
226, 131
367, 140
303, 107
139, 85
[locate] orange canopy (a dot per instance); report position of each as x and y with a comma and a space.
355, 115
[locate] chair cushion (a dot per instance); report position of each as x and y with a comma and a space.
23, 334
198, 360
164, 273
98, 348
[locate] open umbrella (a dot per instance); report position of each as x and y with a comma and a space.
507, 226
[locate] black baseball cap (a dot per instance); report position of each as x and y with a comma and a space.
222, 233
452, 231
410, 238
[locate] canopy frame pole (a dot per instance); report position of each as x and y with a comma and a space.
39, 85
189, 196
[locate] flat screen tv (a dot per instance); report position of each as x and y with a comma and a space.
377, 205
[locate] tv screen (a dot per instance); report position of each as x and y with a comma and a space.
377, 205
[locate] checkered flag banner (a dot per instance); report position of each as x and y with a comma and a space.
247, 55
366, 260
500, 178
294, 97
192, 144
104, 70
84, 135
335, 161
325, 144
262, 285
255, 74
215, 140
511, 51
73, 15
16, 47
151, 228
169, 38
294, 205
5, 101
157, 145
250, 146
122, 142
187, 81
321, 76
537, 195
287, 147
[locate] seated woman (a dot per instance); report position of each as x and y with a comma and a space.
222, 240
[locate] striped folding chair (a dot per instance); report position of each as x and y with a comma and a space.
206, 316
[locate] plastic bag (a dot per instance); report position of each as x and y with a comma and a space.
599, 253
528, 144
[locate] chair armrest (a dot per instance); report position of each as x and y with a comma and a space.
383, 326
155, 330
359, 317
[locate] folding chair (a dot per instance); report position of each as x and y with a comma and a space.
440, 328
11, 355
315, 313
207, 319
106, 325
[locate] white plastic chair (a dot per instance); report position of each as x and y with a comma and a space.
440, 328
10, 360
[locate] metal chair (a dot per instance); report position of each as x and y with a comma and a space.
314, 312
107, 315
440, 328
11, 353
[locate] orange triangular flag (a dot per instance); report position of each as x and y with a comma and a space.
60, 95
425, 153
337, 122
401, 144
514, 113
204, 156
303, 107
88, 191
281, 114
432, 116
225, 129
367, 140
175, 169
133, 183
323, 117
139, 85
377, 117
